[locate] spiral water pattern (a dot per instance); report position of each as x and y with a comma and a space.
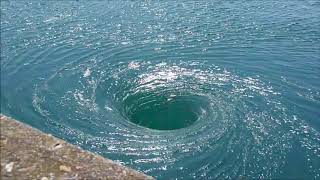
178, 90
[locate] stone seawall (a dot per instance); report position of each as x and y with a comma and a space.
27, 153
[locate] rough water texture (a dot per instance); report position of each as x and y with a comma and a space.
236, 83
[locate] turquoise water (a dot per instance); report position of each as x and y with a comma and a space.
178, 90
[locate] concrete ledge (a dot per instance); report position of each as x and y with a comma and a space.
27, 153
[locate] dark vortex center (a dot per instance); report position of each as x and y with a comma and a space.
164, 114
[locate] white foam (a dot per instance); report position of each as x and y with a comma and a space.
133, 65
87, 73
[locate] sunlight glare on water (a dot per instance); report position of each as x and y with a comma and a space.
177, 90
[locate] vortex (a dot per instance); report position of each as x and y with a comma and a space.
160, 114
163, 113
177, 90
159, 98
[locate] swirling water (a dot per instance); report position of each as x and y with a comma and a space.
178, 90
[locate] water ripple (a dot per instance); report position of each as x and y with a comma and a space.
247, 73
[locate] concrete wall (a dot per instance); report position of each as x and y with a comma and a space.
27, 153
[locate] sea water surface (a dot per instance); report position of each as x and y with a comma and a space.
175, 89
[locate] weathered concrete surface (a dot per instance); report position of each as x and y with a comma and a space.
27, 153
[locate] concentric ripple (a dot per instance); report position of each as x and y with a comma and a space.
235, 123
177, 90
